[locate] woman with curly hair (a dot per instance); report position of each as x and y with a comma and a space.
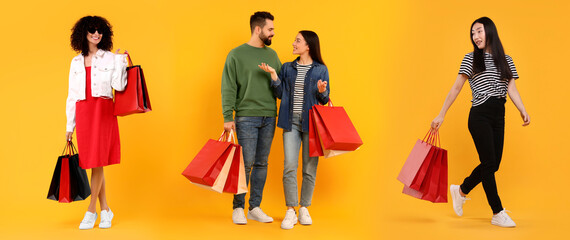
92, 76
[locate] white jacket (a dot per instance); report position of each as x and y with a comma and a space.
108, 71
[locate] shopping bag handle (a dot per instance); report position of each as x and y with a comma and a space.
432, 137
69, 149
227, 136
330, 104
129, 58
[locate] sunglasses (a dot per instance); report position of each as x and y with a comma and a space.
93, 30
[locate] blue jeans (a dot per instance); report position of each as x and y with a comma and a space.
255, 135
291, 144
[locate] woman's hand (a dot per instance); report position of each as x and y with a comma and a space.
68, 136
526, 119
265, 67
322, 85
436, 123
118, 50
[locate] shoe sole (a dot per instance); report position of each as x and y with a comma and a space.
290, 227
104, 226
259, 220
287, 228
496, 224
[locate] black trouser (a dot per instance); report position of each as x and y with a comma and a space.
487, 127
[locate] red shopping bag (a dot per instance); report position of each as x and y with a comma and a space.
221, 179
442, 186
433, 187
417, 157
412, 192
428, 188
315, 148
335, 129
134, 99
331, 132
235, 182
242, 182
422, 172
431, 182
231, 177
207, 164
64, 185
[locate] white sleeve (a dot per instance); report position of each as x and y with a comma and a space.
119, 76
70, 104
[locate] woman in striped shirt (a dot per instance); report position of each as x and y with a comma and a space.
301, 84
491, 75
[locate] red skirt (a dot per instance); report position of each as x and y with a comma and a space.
97, 130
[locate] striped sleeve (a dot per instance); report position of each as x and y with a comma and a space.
512, 67
467, 65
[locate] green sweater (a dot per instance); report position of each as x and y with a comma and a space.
246, 88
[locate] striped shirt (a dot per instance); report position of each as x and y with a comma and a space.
488, 83
298, 94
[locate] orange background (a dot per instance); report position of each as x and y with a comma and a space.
391, 65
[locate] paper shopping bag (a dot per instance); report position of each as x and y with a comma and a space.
442, 184
79, 183
421, 174
415, 160
220, 181
64, 188
69, 182
134, 99
235, 182
335, 129
315, 148
207, 164
429, 175
431, 183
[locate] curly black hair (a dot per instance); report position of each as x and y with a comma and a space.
80, 29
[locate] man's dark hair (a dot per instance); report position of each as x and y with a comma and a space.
258, 19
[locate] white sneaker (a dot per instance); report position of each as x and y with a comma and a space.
290, 219
88, 221
502, 219
457, 199
238, 216
304, 216
258, 215
106, 217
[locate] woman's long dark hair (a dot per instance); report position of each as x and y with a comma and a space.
492, 42
314, 46
79, 31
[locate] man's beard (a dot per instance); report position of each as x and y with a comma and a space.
265, 39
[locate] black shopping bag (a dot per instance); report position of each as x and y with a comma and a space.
78, 183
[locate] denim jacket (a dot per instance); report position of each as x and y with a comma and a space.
284, 87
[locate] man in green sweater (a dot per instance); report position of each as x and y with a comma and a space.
246, 89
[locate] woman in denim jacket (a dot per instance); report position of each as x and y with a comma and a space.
93, 75
301, 84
